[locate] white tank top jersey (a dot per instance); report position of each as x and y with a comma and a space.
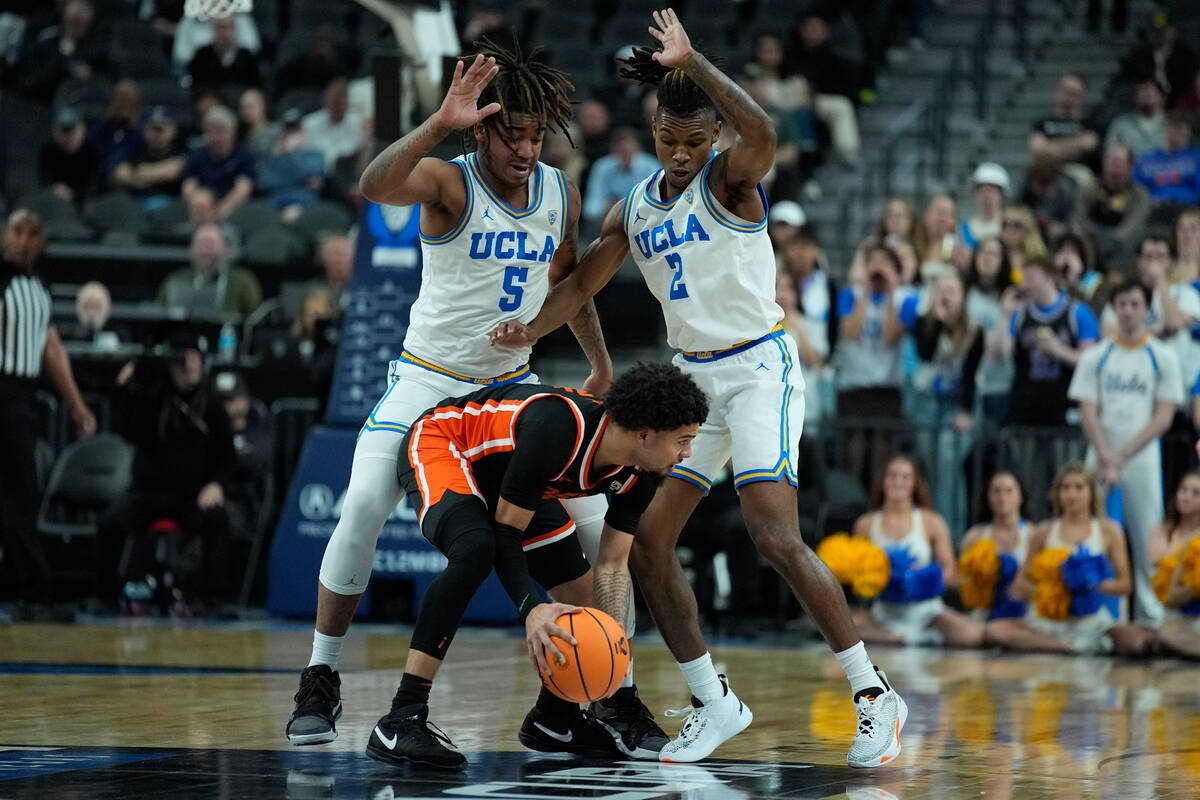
1094, 543
491, 267
915, 540
713, 273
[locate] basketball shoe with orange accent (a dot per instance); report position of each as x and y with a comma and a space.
881, 716
707, 727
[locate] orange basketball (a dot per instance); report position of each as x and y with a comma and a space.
597, 663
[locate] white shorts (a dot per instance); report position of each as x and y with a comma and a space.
755, 412
1086, 635
910, 620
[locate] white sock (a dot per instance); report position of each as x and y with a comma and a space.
858, 668
326, 650
628, 680
702, 678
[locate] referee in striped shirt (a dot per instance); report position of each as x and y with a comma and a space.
29, 346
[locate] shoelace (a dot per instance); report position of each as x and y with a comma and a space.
691, 710
310, 687
438, 733
866, 715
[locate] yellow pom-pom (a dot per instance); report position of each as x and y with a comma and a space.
977, 594
837, 551
980, 561
1047, 565
1053, 600
1191, 566
1162, 577
874, 570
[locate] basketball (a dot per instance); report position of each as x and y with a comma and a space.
596, 664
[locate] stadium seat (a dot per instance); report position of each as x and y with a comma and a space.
87, 478
272, 247
115, 211
321, 218
89, 98
61, 218
256, 215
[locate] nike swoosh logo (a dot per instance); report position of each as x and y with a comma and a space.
562, 737
390, 743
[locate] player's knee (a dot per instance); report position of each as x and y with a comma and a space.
775, 542
472, 552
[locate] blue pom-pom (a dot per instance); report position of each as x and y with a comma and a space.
1007, 608
1190, 608
1008, 571
1085, 603
1082, 571
908, 585
926, 583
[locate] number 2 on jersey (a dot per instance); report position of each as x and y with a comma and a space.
678, 287
514, 277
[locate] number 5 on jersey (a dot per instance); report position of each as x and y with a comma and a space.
678, 287
514, 278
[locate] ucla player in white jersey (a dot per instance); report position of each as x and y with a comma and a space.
497, 228
697, 230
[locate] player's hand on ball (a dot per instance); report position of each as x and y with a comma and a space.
513, 334
540, 627
676, 46
459, 109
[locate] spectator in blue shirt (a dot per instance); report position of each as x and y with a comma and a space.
615, 174
1172, 174
221, 165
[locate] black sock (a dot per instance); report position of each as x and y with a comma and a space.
413, 691
555, 706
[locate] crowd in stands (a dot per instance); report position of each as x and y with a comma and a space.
958, 317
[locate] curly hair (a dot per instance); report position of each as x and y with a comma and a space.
658, 397
678, 94
524, 85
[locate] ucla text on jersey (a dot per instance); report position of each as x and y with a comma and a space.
659, 238
510, 245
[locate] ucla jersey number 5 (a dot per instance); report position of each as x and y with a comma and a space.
514, 287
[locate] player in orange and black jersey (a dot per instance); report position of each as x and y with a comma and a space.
485, 473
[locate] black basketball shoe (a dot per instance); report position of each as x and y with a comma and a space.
318, 706
576, 732
625, 717
405, 736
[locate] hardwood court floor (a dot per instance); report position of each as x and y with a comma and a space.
137, 710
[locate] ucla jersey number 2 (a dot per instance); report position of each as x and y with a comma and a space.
678, 287
514, 277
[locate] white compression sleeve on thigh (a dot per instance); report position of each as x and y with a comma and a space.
372, 496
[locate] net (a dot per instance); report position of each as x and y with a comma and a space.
210, 9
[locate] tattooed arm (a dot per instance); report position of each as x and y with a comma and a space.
586, 323
612, 586
399, 175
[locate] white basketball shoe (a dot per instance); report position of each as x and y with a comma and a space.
708, 725
881, 716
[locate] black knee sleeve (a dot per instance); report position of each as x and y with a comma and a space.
470, 550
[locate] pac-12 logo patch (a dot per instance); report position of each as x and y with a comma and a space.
553, 215
688, 196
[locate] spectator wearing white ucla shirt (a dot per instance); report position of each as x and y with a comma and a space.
1128, 388
805, 294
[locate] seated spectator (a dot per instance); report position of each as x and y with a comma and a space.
1079, 525
782, 221
615, 174
1051, 195
1169, 60
324, 60
255, 128
1007, 529
68, 164
68, 50
1067, 138
1021, 238
119, 133
253, 449
153, 169
1187, 248
789, 102
805, 294
192, 33
991, 298
903, 519
897, 224
1140, 130
204, 100
1171, 174
1174, 308
223, 61
1044, 337
834, 83
1180, 630
211, 285
989, 190
1072, 261
93, 307
941, 231
293, 174
222, 165
1114, 209
335, 255
334, 130
183, 455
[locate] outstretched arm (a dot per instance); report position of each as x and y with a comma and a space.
585, 324
752, 154
399, 175
596, 267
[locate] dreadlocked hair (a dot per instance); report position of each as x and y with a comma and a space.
524, 85
677, 93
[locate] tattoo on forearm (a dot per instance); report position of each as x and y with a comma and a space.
586, 327
730, 99
410, 148
612, 592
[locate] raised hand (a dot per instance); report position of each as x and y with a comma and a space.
676, 46
459, 108
513, 334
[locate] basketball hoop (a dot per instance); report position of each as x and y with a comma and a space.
215, 9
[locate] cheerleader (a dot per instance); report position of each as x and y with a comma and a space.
1008, 530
